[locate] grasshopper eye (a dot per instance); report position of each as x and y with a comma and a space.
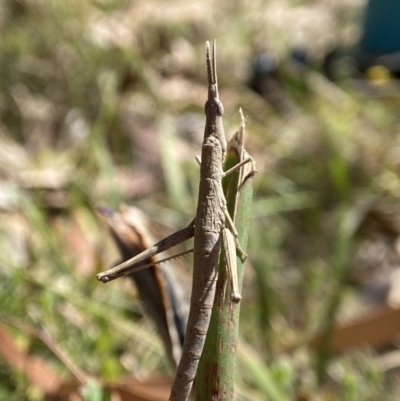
220, 109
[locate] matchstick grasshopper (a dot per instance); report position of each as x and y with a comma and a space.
211, 225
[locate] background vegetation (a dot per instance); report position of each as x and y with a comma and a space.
101, 102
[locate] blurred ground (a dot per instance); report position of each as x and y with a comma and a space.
101, 103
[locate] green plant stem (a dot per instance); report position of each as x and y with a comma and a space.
216, 372
349, 221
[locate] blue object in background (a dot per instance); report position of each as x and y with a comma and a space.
381, 29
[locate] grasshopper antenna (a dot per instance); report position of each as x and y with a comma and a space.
211, 58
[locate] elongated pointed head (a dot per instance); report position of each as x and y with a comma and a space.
213, 107
213, 100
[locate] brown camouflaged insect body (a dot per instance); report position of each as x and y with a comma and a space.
210, 221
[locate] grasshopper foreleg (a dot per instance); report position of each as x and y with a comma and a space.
230, 260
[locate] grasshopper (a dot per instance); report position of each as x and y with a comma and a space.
211, 224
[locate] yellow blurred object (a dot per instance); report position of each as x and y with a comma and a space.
378, 75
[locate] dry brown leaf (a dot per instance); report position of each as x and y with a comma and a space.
129, 389
158, 288
377, 328
34, 368
149, 283
79, 375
